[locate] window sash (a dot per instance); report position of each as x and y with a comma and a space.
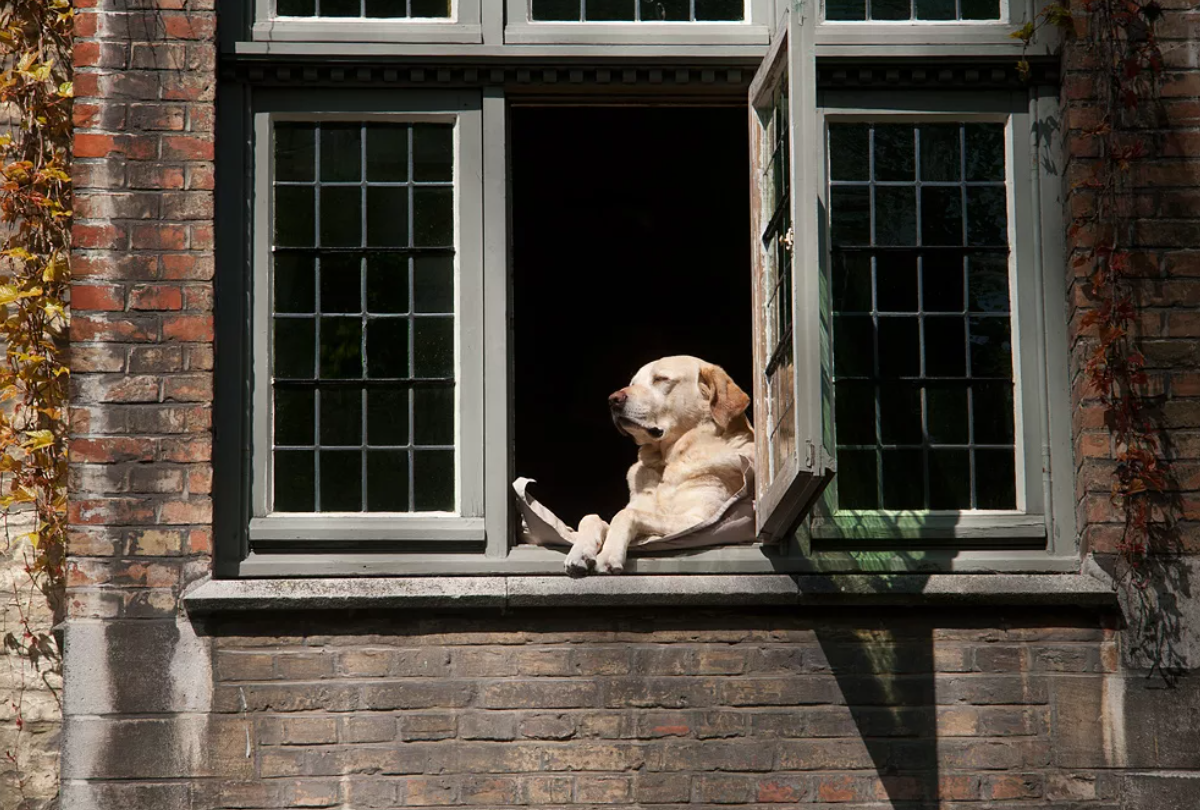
466, 522
522, 29
1030, 520
462, 27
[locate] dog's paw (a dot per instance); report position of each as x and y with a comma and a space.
610, 565
579, 566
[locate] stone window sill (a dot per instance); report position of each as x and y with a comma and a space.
500, 592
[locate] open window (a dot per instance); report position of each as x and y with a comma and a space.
792, 380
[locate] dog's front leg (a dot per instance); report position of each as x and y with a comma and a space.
630, 523
589, 538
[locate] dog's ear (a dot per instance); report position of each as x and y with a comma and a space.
727, 400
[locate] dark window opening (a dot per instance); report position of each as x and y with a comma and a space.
630, 242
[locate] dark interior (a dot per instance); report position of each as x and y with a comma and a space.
630, 242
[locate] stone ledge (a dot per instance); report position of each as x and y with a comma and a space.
1080, 590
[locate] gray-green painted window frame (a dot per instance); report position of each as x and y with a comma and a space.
520, 29
462, 27
463, 110
1042, 411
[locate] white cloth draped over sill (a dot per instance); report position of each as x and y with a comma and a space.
733, 524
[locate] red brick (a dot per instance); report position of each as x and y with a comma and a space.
97, 297
112, 450
108, 237
188, 327
187, 266
84, 327
185, 147
155, 297
158, 237
174, 512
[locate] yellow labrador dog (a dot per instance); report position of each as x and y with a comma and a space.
694, 445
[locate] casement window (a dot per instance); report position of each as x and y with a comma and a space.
446, 265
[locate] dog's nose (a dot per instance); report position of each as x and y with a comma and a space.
617, 399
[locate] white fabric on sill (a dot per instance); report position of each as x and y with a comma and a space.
733, 524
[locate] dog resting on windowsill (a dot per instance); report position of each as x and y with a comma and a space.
695, 458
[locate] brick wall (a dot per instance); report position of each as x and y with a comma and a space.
870, 709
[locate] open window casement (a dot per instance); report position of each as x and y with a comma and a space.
791, 346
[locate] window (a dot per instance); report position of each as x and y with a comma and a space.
910, 10
365, 343
454, 21
451, 209
639, 22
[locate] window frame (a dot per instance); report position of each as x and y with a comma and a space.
521, 29
1041, 410
467, 523
463, 27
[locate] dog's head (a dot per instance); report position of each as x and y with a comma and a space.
673, 395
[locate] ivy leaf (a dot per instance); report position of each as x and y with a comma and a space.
67, 89
1024, 33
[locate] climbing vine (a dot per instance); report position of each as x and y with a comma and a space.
35, 212
1120, 48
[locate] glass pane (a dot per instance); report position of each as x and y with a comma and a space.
940, 148
294, 416
941, 283
945, 347
949, 479
433, 480
433, 217
666, 10
991, 347
985, 151
900, 413
849, 151
987, 215
992, 407
387, 417
556, 10
295, 150
387, 216
387, 481
603, 10
295, 482
341, 152
895, 145
387, 283
341, 416
857, 482
430, 8
387, 153
341, 480
995, 480
946, 409
853, 346
899, 347
433, 351
292, 348
341, 283
433, 416
341, 348
339, 8
295, 8
987, 280
387, 8
845, 9
295, 221
294, 287
711, 10
433, 283
896, 283
387, 348
852, 282
902, 484
935, 10
341, 216
941, 215
854, 407
981, 9
433, 153
895, 215
851, 215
